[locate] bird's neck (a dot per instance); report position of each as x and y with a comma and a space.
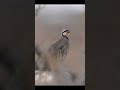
65, 36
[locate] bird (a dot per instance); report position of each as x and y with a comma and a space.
58, 51
61, 46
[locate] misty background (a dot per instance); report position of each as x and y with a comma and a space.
49, 23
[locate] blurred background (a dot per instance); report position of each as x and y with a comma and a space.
49, 22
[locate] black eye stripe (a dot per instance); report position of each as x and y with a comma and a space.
66, 31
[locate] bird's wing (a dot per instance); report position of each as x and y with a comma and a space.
62, 52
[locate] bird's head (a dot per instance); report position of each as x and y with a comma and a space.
65, 32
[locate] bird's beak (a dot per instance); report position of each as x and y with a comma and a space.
68, 31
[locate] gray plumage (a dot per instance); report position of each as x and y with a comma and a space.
57, 53
60, 48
